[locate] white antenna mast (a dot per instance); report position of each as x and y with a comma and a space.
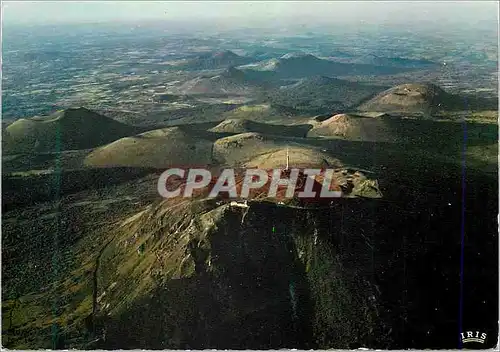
287, 158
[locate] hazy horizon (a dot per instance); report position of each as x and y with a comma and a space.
251, 13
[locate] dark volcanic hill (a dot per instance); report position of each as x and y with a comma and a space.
213, 61
322, 94
77, 128
230, 81
306, 65
411, 98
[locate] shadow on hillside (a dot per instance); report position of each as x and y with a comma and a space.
242, 302
442, 134
20, 191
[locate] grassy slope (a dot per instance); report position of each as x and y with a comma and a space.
242, 126
157, 148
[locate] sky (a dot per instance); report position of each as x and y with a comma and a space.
53, 12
